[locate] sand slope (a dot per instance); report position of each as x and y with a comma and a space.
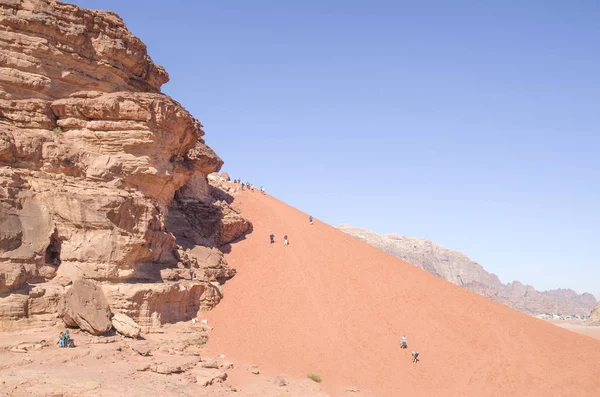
333, 305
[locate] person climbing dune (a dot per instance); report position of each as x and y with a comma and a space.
272, 238
285, 240
415, 356
310, 219
403, 344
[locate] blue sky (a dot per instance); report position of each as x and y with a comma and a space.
473, 124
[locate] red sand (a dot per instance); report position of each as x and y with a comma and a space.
333, 305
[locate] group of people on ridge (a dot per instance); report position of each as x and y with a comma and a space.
247, 185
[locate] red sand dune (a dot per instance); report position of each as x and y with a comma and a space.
333, 305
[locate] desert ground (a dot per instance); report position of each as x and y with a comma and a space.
326, 304
171, 363
579, 327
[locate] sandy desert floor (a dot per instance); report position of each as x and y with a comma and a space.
578, 327
169, 364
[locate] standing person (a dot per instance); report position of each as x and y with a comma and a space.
310, 219
262, 189
403, 344
285, 240
415, 357
272, 238
242, 187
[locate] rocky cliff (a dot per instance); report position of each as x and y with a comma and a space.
459, 269
594, 318
102, 177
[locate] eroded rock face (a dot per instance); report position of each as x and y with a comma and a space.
594, 318
208, 220
91, 157
153, 304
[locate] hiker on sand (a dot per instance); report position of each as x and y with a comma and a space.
285, 240
415, 356
403, 344
262, 189
272, 237
310, 219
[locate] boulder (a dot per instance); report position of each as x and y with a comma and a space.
124, 325
86, 307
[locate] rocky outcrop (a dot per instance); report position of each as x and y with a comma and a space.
85, 307
459, 269
208, 222
92, 155
594, 318
154, 304
124, 325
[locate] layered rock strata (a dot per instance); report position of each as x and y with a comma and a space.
92, 155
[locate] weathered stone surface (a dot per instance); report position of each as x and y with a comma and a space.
208, 223
124, 325
174, 365
459, 269
152, 304
12, 277
594, 318
53, 49
206, 377
85, 306
91, 157
12, 307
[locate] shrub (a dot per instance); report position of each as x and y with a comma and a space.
58, 130
314, 377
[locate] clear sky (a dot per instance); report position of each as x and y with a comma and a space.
475, 124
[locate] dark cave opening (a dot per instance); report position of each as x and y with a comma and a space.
53, 250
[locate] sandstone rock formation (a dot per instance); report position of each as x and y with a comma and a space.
85, 307
92, 155
459, 269
124, 325
594, 318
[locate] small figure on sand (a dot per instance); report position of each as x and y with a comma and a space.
403, 344
415, 356
310, 219
285, 240
272, 238
262, 189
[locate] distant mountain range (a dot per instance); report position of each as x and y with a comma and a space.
459, 269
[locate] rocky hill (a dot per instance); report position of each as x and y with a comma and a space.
594, 318
459, 269
102, 177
